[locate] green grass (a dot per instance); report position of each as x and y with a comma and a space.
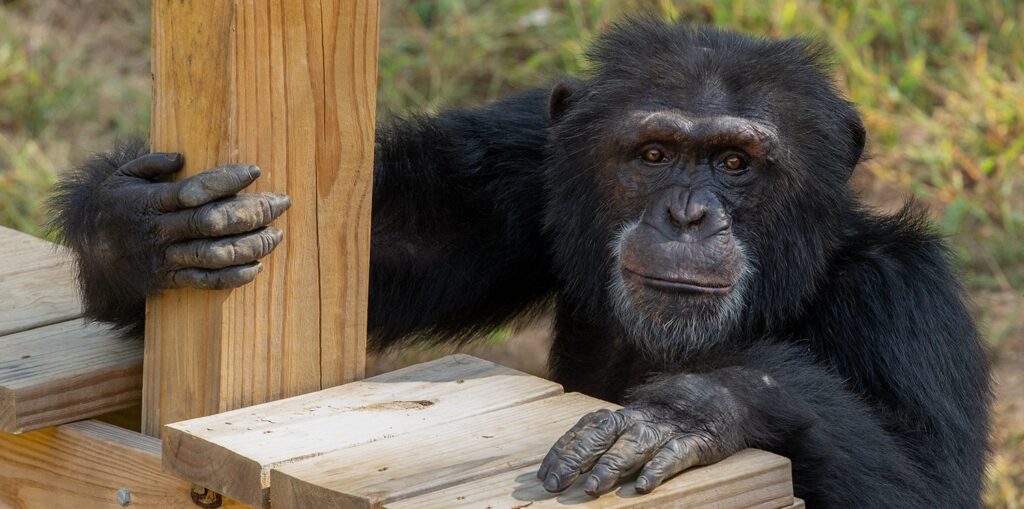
940, 84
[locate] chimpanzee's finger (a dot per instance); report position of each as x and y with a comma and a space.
151, 166
225, 251
578, 454
240, 214
212, 184
674, 457
634, 447
552, 456
221, 279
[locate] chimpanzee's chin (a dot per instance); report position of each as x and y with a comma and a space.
676, 322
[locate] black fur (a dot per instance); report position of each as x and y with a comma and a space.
114, 286
881, 387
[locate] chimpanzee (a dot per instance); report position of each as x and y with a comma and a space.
687, 208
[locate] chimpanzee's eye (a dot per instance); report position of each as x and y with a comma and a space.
733, 163
653, 155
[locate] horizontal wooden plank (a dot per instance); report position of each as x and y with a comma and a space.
22, 252
37, 283
88, 465
431, 459
66, 372
749, 479
233, 452
38, 297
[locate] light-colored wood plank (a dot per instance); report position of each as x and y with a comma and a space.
289, 86
66, 372
233, 452
372, 475
37, 283
22, 252
83, 466
797, 504
749, 479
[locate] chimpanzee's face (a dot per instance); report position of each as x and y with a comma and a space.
676, 180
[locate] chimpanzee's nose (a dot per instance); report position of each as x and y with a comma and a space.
688, 215
686, 212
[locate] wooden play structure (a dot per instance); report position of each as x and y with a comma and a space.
253, 397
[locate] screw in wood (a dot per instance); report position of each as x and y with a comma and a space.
124, 497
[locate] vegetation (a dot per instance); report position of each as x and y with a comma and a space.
940, 84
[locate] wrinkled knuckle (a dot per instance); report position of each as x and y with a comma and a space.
267, 243
220, 254
217, 220
266, 208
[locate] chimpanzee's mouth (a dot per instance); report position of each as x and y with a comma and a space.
673, 285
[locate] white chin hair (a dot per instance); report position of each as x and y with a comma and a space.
681, 336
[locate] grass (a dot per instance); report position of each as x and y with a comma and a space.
940, 85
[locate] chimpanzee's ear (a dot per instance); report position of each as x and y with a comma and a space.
563, 96
857, 136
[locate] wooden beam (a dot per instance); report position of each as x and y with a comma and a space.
66, 372
748, 479
232, 453
37, 283
88, 465
289, 86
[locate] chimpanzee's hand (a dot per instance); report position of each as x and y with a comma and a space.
196, 232
673, 423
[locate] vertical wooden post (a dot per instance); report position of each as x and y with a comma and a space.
289, 85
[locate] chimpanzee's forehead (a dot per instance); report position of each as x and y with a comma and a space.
709, 97
707, 69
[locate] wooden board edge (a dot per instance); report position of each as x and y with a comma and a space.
292, 490
243, 468
8, 412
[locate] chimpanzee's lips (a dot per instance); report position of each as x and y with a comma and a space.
673, 285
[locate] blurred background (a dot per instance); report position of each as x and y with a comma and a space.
940, 84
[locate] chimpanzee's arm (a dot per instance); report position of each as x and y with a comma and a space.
456, 240
457, 209
887, 390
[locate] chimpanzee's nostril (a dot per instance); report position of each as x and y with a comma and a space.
675, 217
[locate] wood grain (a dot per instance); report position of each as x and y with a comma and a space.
289, 86
749, 479
233, 452
37, 283
66, 372
83, 465
371, 475
490, 460
22, 252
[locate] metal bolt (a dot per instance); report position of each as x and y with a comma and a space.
205, 498
124, 497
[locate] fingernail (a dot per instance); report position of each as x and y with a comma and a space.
551, 483
591, 485
172, 156
642, 485
255, 171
